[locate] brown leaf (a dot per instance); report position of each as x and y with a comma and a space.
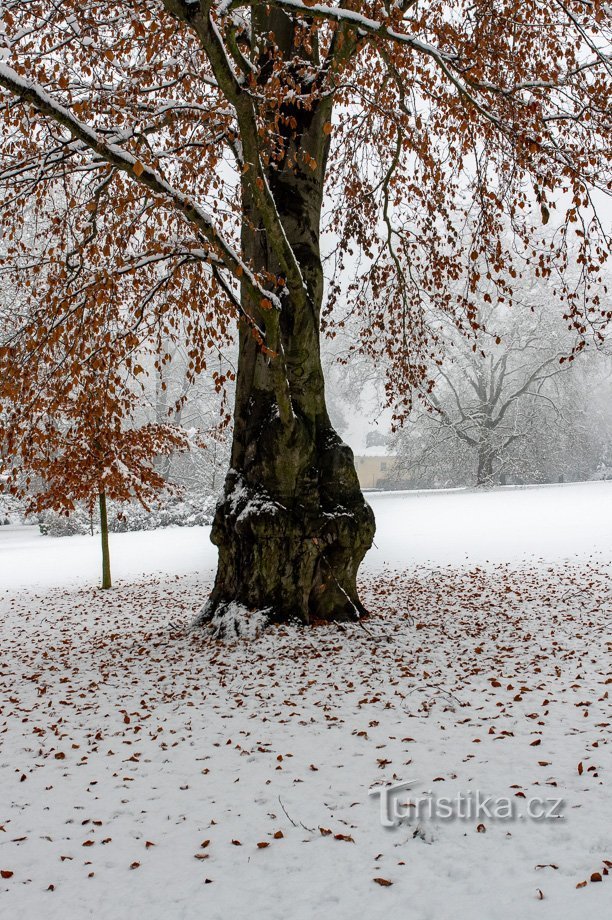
384, 882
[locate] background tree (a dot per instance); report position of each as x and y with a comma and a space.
202, 139
494, 390
200, 407
510, 411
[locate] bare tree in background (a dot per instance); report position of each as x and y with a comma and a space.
502, 404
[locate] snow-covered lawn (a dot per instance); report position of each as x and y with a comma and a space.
149, 771
435, 528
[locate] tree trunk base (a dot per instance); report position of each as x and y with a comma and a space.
290, 558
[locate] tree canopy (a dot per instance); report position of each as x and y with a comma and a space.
125, 127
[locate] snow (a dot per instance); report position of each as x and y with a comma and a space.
29, 559
377, 451
233, 620
549, 523
143, 763
456, 527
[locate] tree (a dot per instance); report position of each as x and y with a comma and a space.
206, 137
79, 447
557, 428
488, 394
80, 460
200, 407
572, 438
512, 408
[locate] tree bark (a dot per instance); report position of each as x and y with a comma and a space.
484, 474
106, 572
292, 527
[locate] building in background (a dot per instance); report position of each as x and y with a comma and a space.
376, 469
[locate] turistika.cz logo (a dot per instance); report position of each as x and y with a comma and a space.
470, 805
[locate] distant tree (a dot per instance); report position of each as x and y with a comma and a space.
488, 399
377, 439
206, 140
507, 403
199, 405
572, 439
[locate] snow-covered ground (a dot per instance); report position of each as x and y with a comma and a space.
551, 523
147, 770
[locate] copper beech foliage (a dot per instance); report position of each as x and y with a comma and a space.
457, 127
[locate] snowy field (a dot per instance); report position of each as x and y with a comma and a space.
434, 528
149, 771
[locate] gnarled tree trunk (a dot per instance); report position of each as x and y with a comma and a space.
293, 526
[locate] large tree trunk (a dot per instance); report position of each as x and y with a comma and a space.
293, 526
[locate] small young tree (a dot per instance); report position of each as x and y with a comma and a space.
79, 450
